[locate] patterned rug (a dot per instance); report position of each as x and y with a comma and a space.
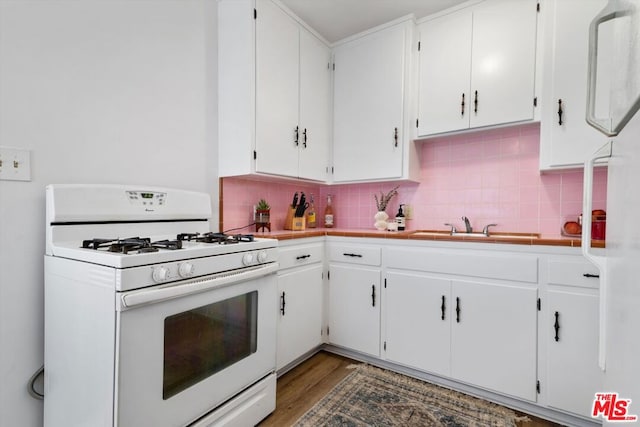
370, 396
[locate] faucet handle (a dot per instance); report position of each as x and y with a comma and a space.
485, 230
453, 228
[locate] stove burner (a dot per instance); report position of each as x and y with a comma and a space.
125, 246
220, 238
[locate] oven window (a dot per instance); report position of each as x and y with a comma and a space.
200, 342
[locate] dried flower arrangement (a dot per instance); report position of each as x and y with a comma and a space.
384, 200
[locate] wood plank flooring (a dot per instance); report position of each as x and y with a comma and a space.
299, 389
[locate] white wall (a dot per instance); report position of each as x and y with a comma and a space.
111, 91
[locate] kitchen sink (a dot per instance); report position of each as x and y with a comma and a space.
496, 235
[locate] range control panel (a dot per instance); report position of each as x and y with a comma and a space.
146, 198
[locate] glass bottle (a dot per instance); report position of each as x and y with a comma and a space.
400, 219
328, 214
311, 214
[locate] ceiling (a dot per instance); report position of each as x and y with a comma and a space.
337, 19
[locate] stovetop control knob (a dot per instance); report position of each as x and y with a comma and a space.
262, 256
185, 270
248, 259
160, 274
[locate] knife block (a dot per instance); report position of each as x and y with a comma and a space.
294, 223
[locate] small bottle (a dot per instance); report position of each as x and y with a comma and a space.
400, 219
328, 213
311, 214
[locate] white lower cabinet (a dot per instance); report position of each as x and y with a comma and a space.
300, 293
493, 336
571, 335
418, 321
354, 308
479, 333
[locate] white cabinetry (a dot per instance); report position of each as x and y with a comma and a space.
371, 83
571, 334
566, 140
274, 88
354, 297
477, 67
479, 329
300, 288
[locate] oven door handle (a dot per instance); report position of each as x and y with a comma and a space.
145, 296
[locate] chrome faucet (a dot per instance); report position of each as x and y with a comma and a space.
467, 224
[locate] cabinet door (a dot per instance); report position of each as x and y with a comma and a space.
368, 106
503, 62
566, 138
277, 52
418, 321
300, 315
574, 345
493, 337
445, 61
315, 107
354, 308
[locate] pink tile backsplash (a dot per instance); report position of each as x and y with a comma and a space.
489, 176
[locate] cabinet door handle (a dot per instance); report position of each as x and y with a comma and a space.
395, 137
303, 256
556, 326
373, 295
475, 103
353, 255
297, 136
304, 138
443, 307
591, 275
458, 310
462, 106
282, 303
560, 112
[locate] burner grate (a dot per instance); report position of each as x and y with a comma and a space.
220, 238
131, 245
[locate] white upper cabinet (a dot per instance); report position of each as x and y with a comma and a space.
477, 67
371, 139
566, 140
274, 91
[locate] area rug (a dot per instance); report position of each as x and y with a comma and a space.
370, 396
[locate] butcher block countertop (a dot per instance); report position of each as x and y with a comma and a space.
440, 235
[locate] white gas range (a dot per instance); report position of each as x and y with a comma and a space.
150, 318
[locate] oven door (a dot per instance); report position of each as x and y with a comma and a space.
185, 348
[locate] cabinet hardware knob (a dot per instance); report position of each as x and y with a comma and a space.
462, 106
475, 103
458, 310
556, 326
282, 303
560, 112
443, 307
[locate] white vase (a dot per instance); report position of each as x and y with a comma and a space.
381, 218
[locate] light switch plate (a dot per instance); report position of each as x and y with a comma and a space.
15, 164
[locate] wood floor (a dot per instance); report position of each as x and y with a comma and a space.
307, 383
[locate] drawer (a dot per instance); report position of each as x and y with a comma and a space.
572, 272
355, 254
294, 256
502, 266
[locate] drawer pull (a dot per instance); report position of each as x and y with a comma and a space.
458, 310
282, 304
556, 326
303, 256
395, 137
591, 275
353, 255
373, 295
443, 307
462, 106
560, 112
475, 103
297, 135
